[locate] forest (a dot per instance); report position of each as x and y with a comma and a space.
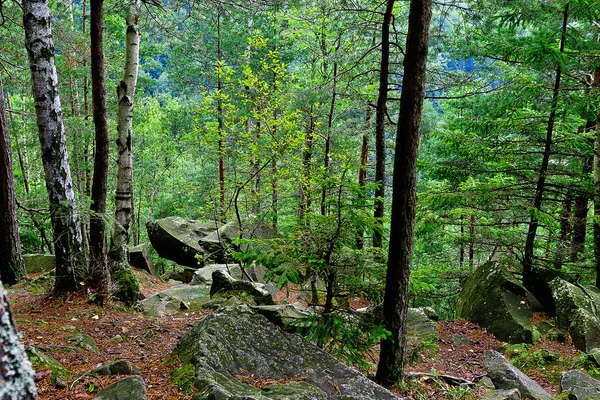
378, 161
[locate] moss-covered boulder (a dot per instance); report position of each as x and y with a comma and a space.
139, 257
175, 299
577, 310
580, 386
233, 343
420, 326
225, 286
493, 298
84, 341
39, 262
203, 276
176, 239
217, 245
132, 388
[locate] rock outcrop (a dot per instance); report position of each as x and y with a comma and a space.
506, 377
224, 285
176, 239
139, 257
493, 298
233, 343
577, 310
580, 386
175, 299
132, 388
203, 276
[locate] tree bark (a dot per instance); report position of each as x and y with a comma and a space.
221, 126
597, 204
63, 210
581, 208
528, 279
16, 373
395, 301
99, 275
12, 268
119, 246
380, 111
362, 176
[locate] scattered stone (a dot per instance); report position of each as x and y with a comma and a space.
580, 386
119, 367
224, 285
511, 394
174, 299
550, 356
203, 276
132, 388
236, 341
460, 340
84, 341
39, 262
577, 312
487, 382
139, 257
493, 298
506, 376
176, 239
43, 362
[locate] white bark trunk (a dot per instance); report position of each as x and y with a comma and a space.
63, 210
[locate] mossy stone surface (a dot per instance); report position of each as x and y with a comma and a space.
493, 298
39, 262
175, 299
42, 362
237, 340
132, 388
128, 287
224, 285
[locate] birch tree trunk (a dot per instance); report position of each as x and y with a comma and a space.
127, 289
16, 373
395, 302
63, 210
11, 260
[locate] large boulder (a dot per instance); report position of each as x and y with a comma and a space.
580, 386
132, 388
420, 326
493, 298
577, 312
217, 245
203, 276
39, 262
175, 299
176, 239
505, 377
139, 257
236, 343
225, 286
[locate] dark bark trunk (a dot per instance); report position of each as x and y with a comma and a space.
305, 197
380, 111
395, 302
99, 275
362, 176
12, 268
528, 279
581, 208
472, 241
16, 373
565, 228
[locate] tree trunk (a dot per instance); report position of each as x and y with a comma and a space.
98, 264
380, 111
305, 196
63, 210
395, 301
221, 126
565, 228
127, 289
528, 279
597, 204
11, 261
581, 208
362, 176
16, 373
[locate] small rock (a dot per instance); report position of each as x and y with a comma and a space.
84, 341
460, 340
132, 388
487, 382
580, 386
511, 394
550, 356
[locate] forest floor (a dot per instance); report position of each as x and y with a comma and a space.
47, 322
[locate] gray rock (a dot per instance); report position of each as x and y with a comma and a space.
139, 257
39, 262
284, 315
594, 355
176, 239
43, 362
580, 386
119, 367
175, 299
512, 394
493, 298
460, 340
419, 326
132, 388
224, 285
236, 340
203, 276
506, 376
577, 312
550, 356
487, 382
84, 341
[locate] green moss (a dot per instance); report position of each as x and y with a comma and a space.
128, 287
184, 377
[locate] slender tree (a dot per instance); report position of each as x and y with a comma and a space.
98, 258
63, 210
128, 289
380, 112
395, 301
11, 260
